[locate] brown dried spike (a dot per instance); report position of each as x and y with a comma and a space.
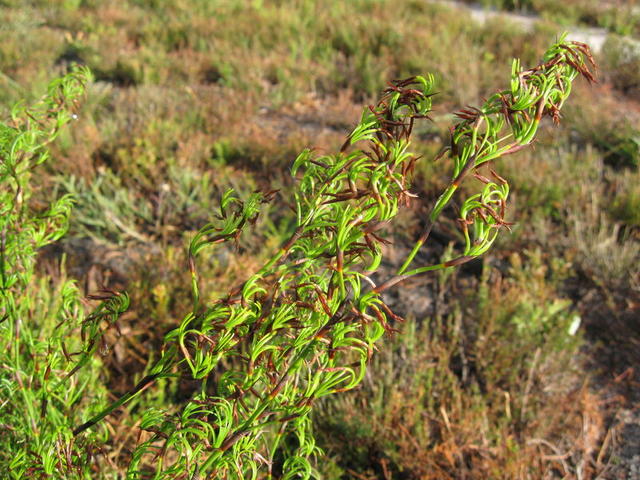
482, 178
575, 60
500, 179
505, 108
554, 112
319, 163
586, 50
103, 294
395, 317
468, 113
65, 352
380, 239
323, 300
405, 82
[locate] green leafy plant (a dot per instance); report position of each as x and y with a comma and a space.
304, 326
42, 386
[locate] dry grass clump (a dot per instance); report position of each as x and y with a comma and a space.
490, 389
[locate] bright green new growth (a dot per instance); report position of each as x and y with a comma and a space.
38, 323
305, 325
507, 122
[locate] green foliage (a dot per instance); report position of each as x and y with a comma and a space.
304, 326
42, 396
300, 328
